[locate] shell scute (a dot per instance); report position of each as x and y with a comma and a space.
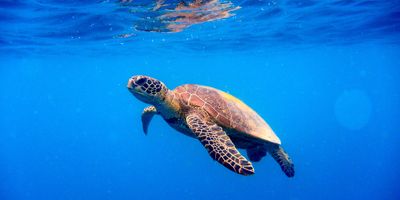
180, 90
210, 110
191, 88
185, 96
224, 120
196, 101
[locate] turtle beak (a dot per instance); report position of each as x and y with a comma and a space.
130, 84
133, 86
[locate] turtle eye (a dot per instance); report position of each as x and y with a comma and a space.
141, 81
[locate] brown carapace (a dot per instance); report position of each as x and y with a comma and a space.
221, 122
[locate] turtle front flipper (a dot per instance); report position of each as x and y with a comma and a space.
147, 115
219, 145
283, 159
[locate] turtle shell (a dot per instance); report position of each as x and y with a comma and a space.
227, 111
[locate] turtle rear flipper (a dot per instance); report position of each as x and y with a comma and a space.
219, 145
283, 159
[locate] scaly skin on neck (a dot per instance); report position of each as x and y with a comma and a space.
170, 107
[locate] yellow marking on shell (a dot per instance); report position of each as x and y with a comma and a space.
260, 127
234, 99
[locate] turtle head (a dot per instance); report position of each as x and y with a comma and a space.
147, 89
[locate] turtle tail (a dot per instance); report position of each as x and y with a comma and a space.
283, 159
255, 154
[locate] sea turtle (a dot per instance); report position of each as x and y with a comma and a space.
218, 120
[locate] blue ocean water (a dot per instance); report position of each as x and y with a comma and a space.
324, 75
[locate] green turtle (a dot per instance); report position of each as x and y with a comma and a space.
221, 122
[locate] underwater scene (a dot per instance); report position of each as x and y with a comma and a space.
199, 99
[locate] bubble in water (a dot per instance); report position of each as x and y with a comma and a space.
353, 109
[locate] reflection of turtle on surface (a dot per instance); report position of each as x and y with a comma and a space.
174, 16
218, 120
